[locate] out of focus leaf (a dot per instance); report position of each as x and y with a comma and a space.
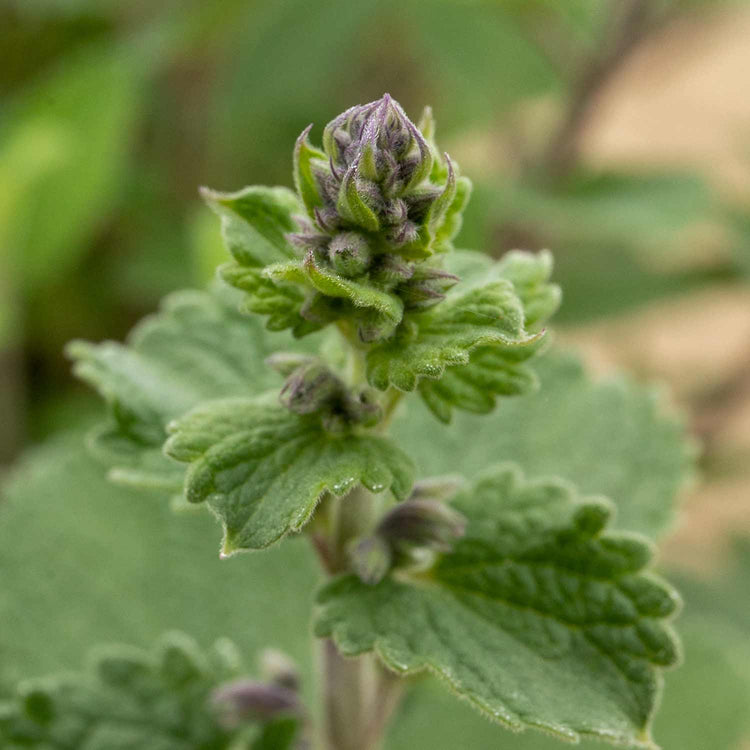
128, 698
88, 562
614, 438
85, 111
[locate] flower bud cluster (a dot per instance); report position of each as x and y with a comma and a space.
410, 534
246, 700
377, 198
311, 388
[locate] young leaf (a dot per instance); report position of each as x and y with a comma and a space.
538, 617
197, 347
262, 469
614, 437
129, 698
475, 315
255, 223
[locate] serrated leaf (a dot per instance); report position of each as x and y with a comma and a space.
255, 222
473, 314
128, 698
538, 617
197, 347
110, 563
499, 369
263, 469
491, 372
614, 437
280, 301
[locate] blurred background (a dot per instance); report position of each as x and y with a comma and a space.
616, 133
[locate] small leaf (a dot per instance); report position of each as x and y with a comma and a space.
263, 469
280, 301
304, 179
255, 222
385, 309
197, 347
472, 315
538, 617
352, 206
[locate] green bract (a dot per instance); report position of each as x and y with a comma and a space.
509, 588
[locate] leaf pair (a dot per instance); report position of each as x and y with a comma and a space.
538, 616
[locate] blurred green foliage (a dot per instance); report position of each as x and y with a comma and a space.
112, 114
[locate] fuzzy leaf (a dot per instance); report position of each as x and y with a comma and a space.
496, 370
263, 469
255, 222
538, 617
614, 437
128, 698
254, 225
381, 310
198, 347
304, 178
477, 314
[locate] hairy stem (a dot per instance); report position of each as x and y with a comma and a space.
359, 696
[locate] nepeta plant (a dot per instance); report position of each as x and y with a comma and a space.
509, 587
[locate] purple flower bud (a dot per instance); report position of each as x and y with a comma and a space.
310, 388
422, 523
396, 211
426, 287
390, 270
279, 669
248, 700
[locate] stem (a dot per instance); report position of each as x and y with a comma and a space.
360, 697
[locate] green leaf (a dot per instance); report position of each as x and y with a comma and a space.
304, 178
254, 225
476, 313
613, 437
94, 562
198, 347
538, 617
497, 370
280, 301
255, 222
263, 469
127, 698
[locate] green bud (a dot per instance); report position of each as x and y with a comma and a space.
422, 523
426, 287
310, 388
349, 254
371, 558
285, 363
